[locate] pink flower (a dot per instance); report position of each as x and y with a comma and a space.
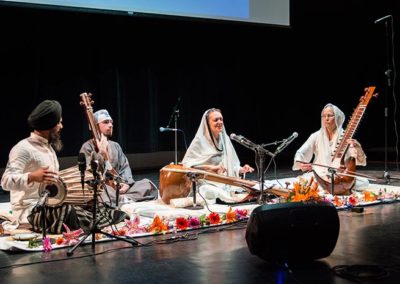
194, 222
133, 227
47, 244
241, 213
71, 237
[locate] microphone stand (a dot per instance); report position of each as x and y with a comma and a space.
175, 116
94, 229
193, 178
44, 224
117, 188
332, 171
260, 162
273, 143
389, 90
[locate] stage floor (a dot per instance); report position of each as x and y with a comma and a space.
219, 255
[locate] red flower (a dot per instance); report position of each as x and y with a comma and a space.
59, 240
181, 223
214, 218
353, 200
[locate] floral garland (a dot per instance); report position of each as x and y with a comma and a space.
307, 190
158, 225
304, 190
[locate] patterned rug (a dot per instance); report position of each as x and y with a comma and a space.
155, 217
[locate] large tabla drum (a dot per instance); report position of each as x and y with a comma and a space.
69, 188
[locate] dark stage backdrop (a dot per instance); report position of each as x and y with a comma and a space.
268, 81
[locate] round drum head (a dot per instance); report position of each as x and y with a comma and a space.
57, 193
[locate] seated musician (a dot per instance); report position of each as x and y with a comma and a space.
321, 145
129, 189
33, 161
212, 150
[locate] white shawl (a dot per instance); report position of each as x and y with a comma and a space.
202, 150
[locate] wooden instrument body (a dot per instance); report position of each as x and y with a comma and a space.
343, 184
175, 183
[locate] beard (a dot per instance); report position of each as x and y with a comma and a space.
108, 134
55, 140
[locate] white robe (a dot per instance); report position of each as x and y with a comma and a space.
319, 150
202, 151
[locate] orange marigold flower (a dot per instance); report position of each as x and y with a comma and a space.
369, 196
337, 201
181, 223
230, 215
214, 218
158, 225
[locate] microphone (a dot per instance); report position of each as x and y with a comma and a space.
383, 19
244, 141
163, 129
42, 199
175, 112
82, 167
286, 142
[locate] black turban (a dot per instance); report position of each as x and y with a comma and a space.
45, 116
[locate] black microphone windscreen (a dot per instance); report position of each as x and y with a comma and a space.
82, 161
82, 158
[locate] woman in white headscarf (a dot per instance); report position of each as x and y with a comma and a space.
212, 150
322, 143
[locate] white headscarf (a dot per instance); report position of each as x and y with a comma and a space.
323, 140
202, 149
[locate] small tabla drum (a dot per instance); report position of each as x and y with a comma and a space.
69, 188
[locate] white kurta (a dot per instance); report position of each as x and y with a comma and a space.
318, 149
25, 157
202, 151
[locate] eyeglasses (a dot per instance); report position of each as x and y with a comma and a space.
327, 116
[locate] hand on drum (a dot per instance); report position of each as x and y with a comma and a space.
43, 175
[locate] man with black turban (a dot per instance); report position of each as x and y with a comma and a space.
32, 162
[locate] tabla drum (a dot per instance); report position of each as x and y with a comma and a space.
69, 188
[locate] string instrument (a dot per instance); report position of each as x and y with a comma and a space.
87, 103
175, 183
344, 183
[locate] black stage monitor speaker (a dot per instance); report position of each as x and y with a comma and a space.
294, 231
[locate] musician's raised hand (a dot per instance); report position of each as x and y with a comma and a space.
354, 148
305, 167
246, 169
103, 145
124, 188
